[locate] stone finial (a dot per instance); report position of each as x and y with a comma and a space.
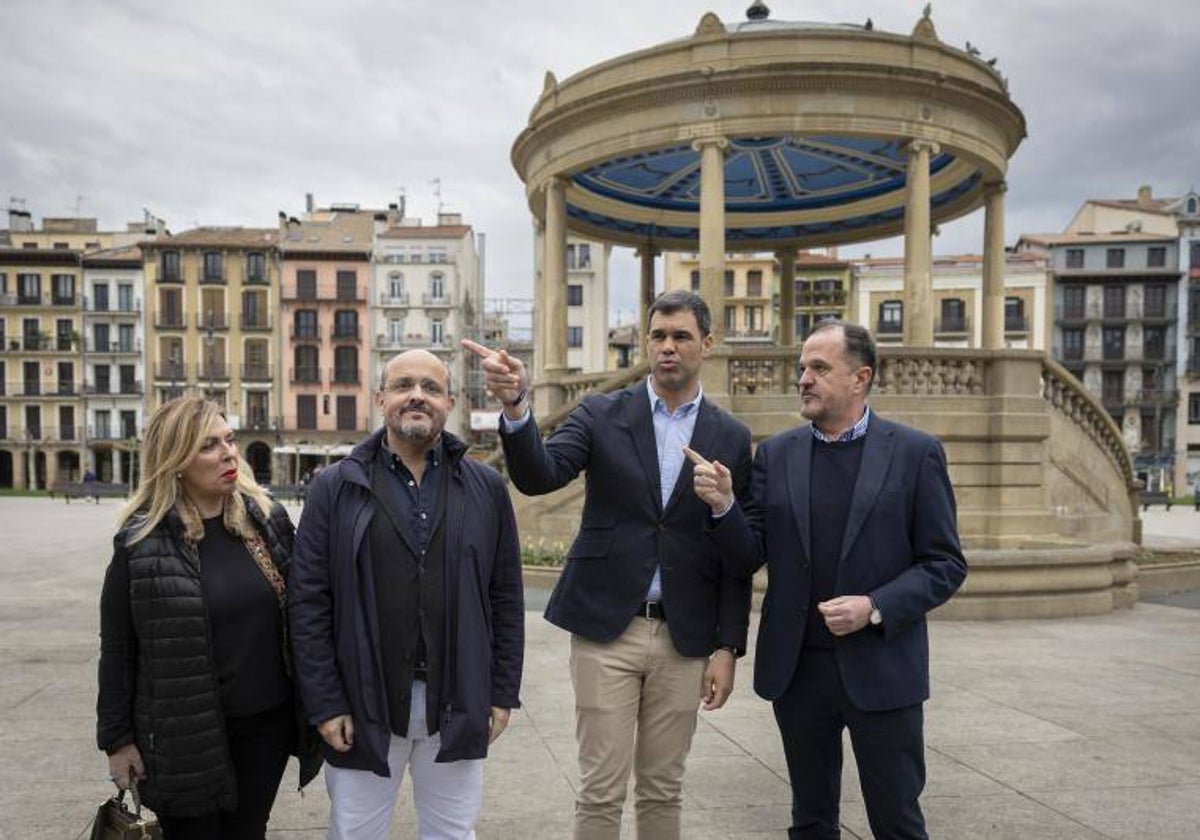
710, 24
924, 30
550, 82
758, 11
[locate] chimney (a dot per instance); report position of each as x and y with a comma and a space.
308, 202
1144, 198
20, 221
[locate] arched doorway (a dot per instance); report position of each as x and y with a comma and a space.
39, 471
68, 466
6, 469
258, 456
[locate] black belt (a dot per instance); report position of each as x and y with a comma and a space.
652, 609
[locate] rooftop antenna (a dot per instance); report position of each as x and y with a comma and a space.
401, 202
436, 183
79, 199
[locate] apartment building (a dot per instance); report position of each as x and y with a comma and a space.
878, 299
429, 294
1115, 323
751, 291
210, 298
112, 359
326, 392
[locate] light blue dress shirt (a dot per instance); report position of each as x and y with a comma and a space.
672, 432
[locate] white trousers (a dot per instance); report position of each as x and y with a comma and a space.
447, 796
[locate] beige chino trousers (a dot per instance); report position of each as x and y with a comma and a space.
636, 701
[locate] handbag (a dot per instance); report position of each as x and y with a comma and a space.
114, 821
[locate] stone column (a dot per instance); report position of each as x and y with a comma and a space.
554, 290
787, 296
712, 229
918, 248
993, 265
647, 253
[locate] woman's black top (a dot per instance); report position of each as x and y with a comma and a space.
243, 619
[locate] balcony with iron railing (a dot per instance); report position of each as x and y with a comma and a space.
1193, 365
441, 301
117, 348
170, 320
173, 371
256, 372
111, 307
127, 388
254, 322
212, 320
889, 328
952, 326
213, 277
347, 332
63, 300
30, 344
32, 299
212, 371
345, 376
45, 433
1148, 397
1016, 323
821, 297
307, 333
305, 375
37, 388
397, 300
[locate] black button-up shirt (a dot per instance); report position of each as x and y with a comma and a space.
413, 503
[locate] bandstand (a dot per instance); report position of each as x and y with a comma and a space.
771, 136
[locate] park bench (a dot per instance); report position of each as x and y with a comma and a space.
1156, 497
94, 490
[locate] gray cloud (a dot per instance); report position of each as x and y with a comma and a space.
224, 112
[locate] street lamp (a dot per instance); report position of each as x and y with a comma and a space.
209, 341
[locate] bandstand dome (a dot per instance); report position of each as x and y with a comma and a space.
815, 120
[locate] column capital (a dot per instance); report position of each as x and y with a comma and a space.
699, 144
786, 254
991, 188
647, 251
919, 144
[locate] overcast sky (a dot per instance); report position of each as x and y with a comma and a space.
225, 111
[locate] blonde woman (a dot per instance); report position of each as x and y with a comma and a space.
196, 694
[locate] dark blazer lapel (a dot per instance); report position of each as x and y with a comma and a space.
876, 457
641, 427
703, 435
797, 470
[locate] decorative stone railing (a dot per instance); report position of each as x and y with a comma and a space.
1063, 391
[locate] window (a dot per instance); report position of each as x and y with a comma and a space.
66, 378
66, 422
1114, 301
63, 334
100, 338
1156, 257
1191, 206
1194, 409
125, 339
754, 284
258, 406
1153, 343
125, 374
102, 376
1156, 301
585, 255
395, 331
728, 284
256, 267
1194, 255
306, 284
125, 297
32, 378
574, 294
3, 421
437, 254
696, 281
1074, 258
1113, 386
437, 286
1072, 347
954, 315
63, 289
214, 267
254, 310
802, 324
730, 318
100, 297
1114, 258
29, 288
345, 365
1114, 343
347, 412
1014, 315
1074, 302
574, 336
345, 323
570, 257
891, 317
347, 285
437, 332
304, 324
306, 411
103, 428
33, 421
395, 285
169, 268
1150, 435
305, 359
754, 319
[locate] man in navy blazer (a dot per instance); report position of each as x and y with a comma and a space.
657, 618
855, 517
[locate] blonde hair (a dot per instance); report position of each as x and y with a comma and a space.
174, 436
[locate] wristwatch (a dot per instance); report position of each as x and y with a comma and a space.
876, 617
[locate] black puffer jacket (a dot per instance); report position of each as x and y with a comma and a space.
158, 687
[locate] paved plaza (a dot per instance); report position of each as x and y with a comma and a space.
1086, 728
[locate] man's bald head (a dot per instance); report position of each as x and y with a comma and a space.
422, 357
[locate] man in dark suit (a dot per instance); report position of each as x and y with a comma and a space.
855, 518
657, 619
